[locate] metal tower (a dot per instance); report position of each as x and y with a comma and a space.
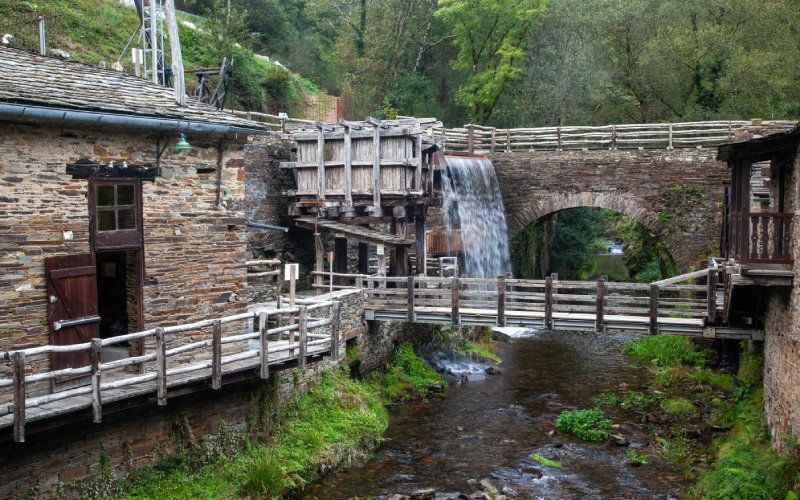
153, 39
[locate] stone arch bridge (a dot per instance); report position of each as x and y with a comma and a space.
677, 193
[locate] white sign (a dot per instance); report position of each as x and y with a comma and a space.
380, 249
291, 271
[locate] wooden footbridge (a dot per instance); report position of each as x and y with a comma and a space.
666, 307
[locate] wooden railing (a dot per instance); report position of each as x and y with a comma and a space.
770, 236
477, 138
290, 337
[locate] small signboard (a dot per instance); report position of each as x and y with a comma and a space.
291, 271
380, 249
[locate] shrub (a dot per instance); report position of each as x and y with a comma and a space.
588, 424
664, 351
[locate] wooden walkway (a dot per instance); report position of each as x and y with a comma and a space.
205, 350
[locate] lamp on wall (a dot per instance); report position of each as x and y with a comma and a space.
182, 143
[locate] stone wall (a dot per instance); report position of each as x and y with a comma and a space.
194, 250
675, 193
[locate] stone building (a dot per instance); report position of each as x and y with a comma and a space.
108, 218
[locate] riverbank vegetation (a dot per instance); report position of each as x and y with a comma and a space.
337, 422
712, 424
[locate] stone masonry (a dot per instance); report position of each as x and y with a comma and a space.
677, 193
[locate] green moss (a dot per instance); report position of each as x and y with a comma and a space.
481, 349
547, 462
664, 351
588, 424
679, 407
408, 376
332, 423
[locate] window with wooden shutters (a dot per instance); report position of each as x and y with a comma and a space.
116, 213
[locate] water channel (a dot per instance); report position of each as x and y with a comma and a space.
488, 427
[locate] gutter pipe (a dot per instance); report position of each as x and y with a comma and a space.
266, 226
77, 117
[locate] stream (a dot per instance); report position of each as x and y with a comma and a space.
488, 426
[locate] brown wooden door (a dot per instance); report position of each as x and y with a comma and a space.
72, 295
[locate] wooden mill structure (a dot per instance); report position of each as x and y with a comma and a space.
368, 182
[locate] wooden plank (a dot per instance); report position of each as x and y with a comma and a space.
501, 291
348, 168
654, 293
600, 306
336, 321
97, 402
454, 300
376, 169
548, 302
263, 355
711, 295
216, 355
320, 164
410, 299
303, 337
161, 368
18, 367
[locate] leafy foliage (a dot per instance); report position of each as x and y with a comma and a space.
543, 460
408, 376
588, 424
637, 458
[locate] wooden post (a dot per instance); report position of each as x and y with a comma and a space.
712, 295
670, 145
348, 171
18, 367
363, 258
548, 302
376, 169
456, 298
613, 137
410, 300
471, 138
493, 139
301, 360
501, 301
336, 322
401, 264
216, 355
319, 262
654, 292
263, 354
97, 403
320, 163
508, 140
600, 302
558, 138
420, 244
161, 368
418, 166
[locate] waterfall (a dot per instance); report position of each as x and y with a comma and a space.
473, 204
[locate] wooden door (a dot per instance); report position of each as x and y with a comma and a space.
72, 298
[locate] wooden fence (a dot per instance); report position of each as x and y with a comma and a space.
281, 335
480, 139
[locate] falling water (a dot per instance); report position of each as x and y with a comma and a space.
473, 204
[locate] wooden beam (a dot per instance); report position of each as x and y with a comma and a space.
501, 299
97, 403
600, 303
216, 355
161, 368
654, 292
420, 248
320, 164
263, 355
336, 321
376, 169
401, 263
410, 299
548, 302
712, 295
455, 299
303, 337
319, 261
348, 172
18, 367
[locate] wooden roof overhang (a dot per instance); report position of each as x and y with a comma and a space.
761, 149
356, 233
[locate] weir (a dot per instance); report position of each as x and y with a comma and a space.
473, 205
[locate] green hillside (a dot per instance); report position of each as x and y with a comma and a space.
98, 30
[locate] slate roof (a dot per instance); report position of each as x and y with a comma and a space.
27, 78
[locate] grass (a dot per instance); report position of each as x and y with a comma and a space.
635, 457
588, 424
665, 351
678, 407
408, 376
629, 400
543, 460
332, 423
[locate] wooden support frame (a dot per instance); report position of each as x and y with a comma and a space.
303, 337
216, 355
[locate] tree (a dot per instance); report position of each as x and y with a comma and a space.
489, 38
